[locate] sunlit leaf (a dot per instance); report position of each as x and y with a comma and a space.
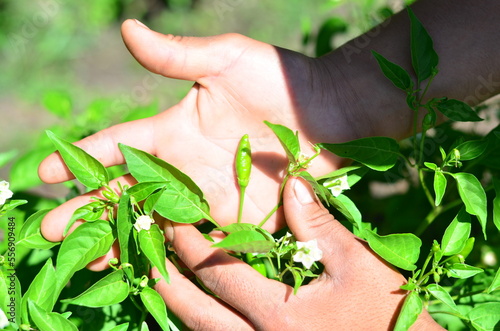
485, 316
442, 295
462, 271
400, 249
439, 186
152, 244
246, 241
107, 291
472, 194
88, 242
412, 307
85, 167
288, 139
456, 234
156, 306
378, 153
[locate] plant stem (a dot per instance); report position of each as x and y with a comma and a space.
449, 313
422, 275
242, 200
270, 214
425, 188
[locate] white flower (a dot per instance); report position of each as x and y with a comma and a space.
337, 185
143, 222
285, 239
307, 253
4, 322
5, 193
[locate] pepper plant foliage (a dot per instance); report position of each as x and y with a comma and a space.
462, 200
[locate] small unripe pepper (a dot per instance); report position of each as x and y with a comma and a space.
243, 165
243, 161
257, 263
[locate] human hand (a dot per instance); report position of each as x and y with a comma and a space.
240, 83
356, 291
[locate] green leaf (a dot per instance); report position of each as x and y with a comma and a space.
496, 203
377, 153
442, 295
6, 157
400, 249
86, 168
472, 149
234, 227
423, 56
124, 226
108, 291
41, 290
485, 316
89, 212
11, 204
472, 194
88, 242
345, 205
462, 271
121, 327
456, 234
156, 306
288, 139
151, 201
58, 103
340, 172
412, 307
439, 186
397, 75
30, 235
246, 241
24, 172
458, 111
495, 284
141, 191
49, 321
152, 245
298, 279
326, 33
320, 190
431, 165
182, 201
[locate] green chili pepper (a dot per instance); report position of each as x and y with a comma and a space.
243, 165
257, 263
243, 162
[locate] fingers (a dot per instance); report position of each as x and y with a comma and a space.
104, 147
232, 280
308, 220
55, 221
208, 313
189, 58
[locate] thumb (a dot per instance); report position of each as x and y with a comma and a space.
308, 219
188, 58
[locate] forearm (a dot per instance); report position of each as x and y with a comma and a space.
466, 38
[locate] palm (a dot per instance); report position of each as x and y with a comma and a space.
250, 82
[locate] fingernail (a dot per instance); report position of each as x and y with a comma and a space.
169, 230
140, 23
303, 193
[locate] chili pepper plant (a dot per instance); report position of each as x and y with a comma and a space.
439, 280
